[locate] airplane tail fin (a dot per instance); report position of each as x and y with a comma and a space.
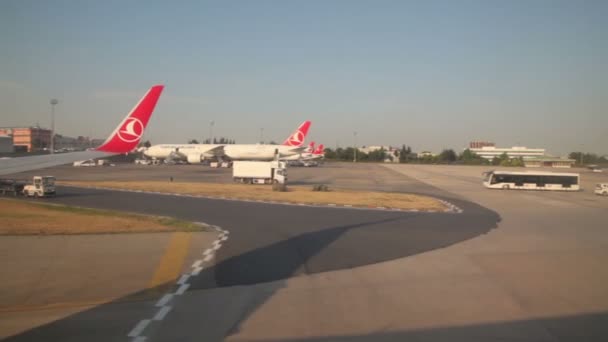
311, 147
128, 133
320, 150
297, 138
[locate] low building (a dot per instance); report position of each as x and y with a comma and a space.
489, 152
6, 144
549, 162
28, 139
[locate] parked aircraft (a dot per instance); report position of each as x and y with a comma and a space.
310, 154
198, 153
123, 140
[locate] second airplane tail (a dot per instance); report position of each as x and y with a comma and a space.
296, 139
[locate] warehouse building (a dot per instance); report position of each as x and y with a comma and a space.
28, 139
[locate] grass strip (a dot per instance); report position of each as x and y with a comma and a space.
18, 217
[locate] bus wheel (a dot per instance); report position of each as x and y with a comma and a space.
35, 195
505, 187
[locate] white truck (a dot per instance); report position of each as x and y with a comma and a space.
258, 172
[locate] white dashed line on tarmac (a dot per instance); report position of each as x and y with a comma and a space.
165, 299
160, 315
182, 289
139, 328
183, 279
137, 332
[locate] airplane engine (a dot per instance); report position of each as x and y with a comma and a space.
195, 158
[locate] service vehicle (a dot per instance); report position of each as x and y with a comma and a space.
42, 186
143, 162
601, 189
85, 163
595, 168
258, 172
508, 180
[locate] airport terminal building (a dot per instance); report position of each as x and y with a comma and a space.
489, 152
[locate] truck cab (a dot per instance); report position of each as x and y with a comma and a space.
42, 186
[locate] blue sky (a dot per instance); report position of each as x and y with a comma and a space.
430, 74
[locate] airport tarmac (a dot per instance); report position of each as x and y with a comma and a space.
539, 276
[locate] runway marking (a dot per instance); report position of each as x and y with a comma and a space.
170, 264
165, 299
137, 332
160, 315
139, 328
451, 208
182, 289
183, 279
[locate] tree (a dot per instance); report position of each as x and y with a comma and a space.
147, 144
469, 157
377, 155
192, 141
447, 156
500, 160
330, 154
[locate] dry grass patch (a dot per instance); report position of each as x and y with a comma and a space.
295, 194
28, 218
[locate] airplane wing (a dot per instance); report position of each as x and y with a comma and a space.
298, 149
123, 140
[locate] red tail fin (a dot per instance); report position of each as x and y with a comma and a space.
127, 135
311, 147
319, 150
297, 138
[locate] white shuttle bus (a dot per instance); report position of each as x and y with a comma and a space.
531, 180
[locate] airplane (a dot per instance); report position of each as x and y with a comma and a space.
123, 139
305, 155
319, 153
198, 153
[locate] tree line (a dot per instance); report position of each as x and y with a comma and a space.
447, 156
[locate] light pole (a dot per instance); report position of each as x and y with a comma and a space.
211, 131
53, 103
355, 157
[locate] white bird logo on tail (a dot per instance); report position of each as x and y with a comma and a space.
131, 131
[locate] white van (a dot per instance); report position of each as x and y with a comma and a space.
601, 189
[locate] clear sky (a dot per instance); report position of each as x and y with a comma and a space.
430, 74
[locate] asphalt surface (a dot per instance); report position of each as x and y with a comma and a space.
539, 277
271, 242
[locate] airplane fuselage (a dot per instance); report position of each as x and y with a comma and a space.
231, 151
